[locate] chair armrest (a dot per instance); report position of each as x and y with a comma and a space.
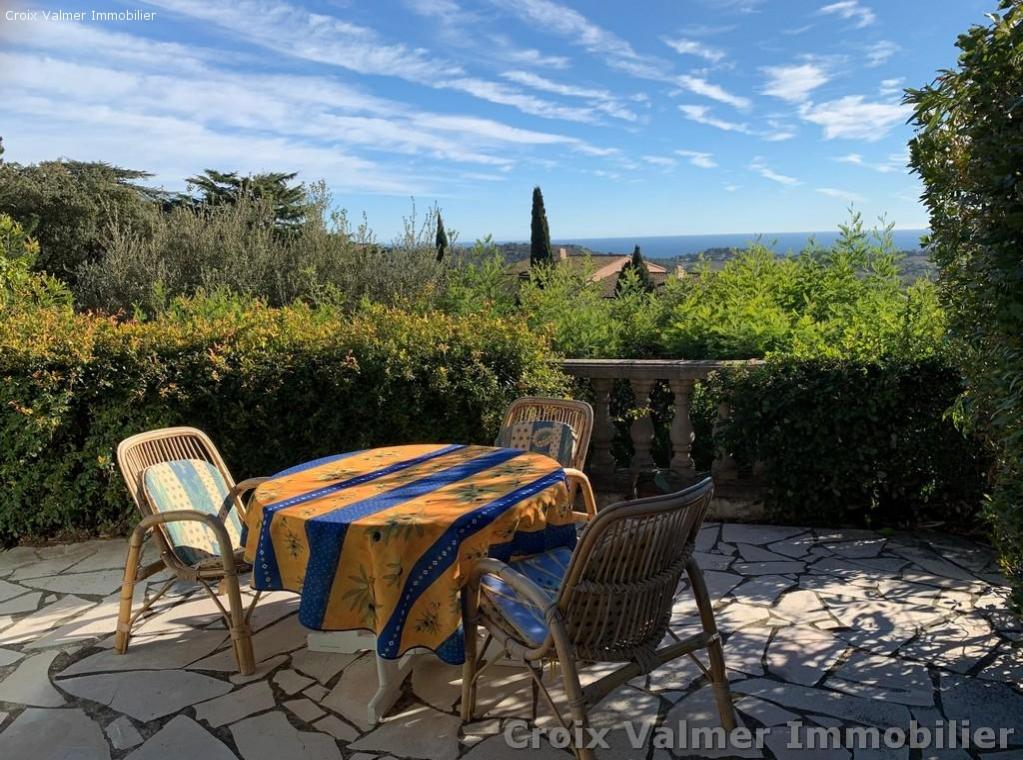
577, 479
149, 522
233, 498
519, 583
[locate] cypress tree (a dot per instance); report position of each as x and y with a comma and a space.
540, 235
638, 265
441, 241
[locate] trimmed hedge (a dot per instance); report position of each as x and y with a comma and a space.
850, 443
273, 387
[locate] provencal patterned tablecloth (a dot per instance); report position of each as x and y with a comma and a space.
384, 539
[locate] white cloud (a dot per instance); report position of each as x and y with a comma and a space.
891, 87
851, 158
663, 161
793, 83
894, 162
861, 15
566, 22
732, 188
698, 158
700, 86
879, 52
845, 195
684, 46
702, 115
532, 57
602, 100
757, 165
855, 118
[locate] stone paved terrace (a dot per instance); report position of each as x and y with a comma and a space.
833, 627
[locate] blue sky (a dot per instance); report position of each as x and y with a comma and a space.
645, 118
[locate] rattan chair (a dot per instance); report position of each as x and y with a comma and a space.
578, 415
611, 601
220, 564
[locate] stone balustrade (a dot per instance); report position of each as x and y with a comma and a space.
642, 375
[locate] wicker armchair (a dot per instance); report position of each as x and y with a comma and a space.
195, 539
566, 415
608, 601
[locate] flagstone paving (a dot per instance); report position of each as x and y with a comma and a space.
834, 628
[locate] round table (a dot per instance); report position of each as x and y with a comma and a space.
384, 539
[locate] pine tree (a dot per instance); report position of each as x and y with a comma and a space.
441, 241
288, 203
540, 235
638, 265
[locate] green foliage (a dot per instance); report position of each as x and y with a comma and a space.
968, 150
539, 233
272, 386
286, 204
20, 287
635, 274
70, 206
852, 442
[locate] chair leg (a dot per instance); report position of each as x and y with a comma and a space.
240, 631
468, 707
131, 564
576, 705
715, 652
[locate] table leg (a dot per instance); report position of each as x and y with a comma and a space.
390, 674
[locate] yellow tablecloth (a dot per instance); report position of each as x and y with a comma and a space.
384, 539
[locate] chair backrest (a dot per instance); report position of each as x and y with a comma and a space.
618, 591
578, 415
185, 448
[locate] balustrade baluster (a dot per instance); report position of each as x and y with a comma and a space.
682, 428
642, 429
602, 461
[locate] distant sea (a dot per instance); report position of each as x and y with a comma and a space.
667, 246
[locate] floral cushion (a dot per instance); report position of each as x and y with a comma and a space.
554, 439
546, 570
192, 484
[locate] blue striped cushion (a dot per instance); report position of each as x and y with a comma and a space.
192, 484
554, 439
546, 570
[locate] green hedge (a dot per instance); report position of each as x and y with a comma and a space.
848, 443
273, 387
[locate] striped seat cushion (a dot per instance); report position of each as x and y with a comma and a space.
554, 439
192, 484
546, 570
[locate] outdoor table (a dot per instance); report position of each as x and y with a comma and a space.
383, 540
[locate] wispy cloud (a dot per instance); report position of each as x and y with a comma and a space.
845, 195
698, 158
700, 86
702, 115
757, 165
793, 83
894, 162
684, 46
891, 87
662, 161
880, 52
533, 57
602, 99
850, 10
854, 117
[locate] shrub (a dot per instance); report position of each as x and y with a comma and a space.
272, 386
968, 151
21, 287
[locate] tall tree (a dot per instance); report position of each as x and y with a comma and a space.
638, 265
968, 150
441, 241
288, 202
540, 234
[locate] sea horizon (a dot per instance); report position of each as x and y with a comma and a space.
667, 246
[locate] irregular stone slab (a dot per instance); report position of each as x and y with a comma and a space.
47, 567
763, 589
106, 555
865, 547
322, 666
618, 708
496, 748
800, 606
957, 644
765, 713
933, 564
9, 657
803, 655
123, 734
19, 556
29, 684
34, 625
744, 650
21, 604
738, 615
1006, 668
291, 682
171, 653
316, 692
183, 738
719, 584
147, 694
982, 702
337, 728
436, 683
354, 690
677, 675
95, 622
794, 548
272, 606
886, 679
305, 710
283, 636
786, 744
768, 568
747, 533
263, 669
9, 591
271, 737
752, 553
197, 611
96, 583
420, 732
42, 734
712, 561
699, 711
236, 705
841, 706
707, 537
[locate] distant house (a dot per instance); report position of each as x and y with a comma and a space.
606, 268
